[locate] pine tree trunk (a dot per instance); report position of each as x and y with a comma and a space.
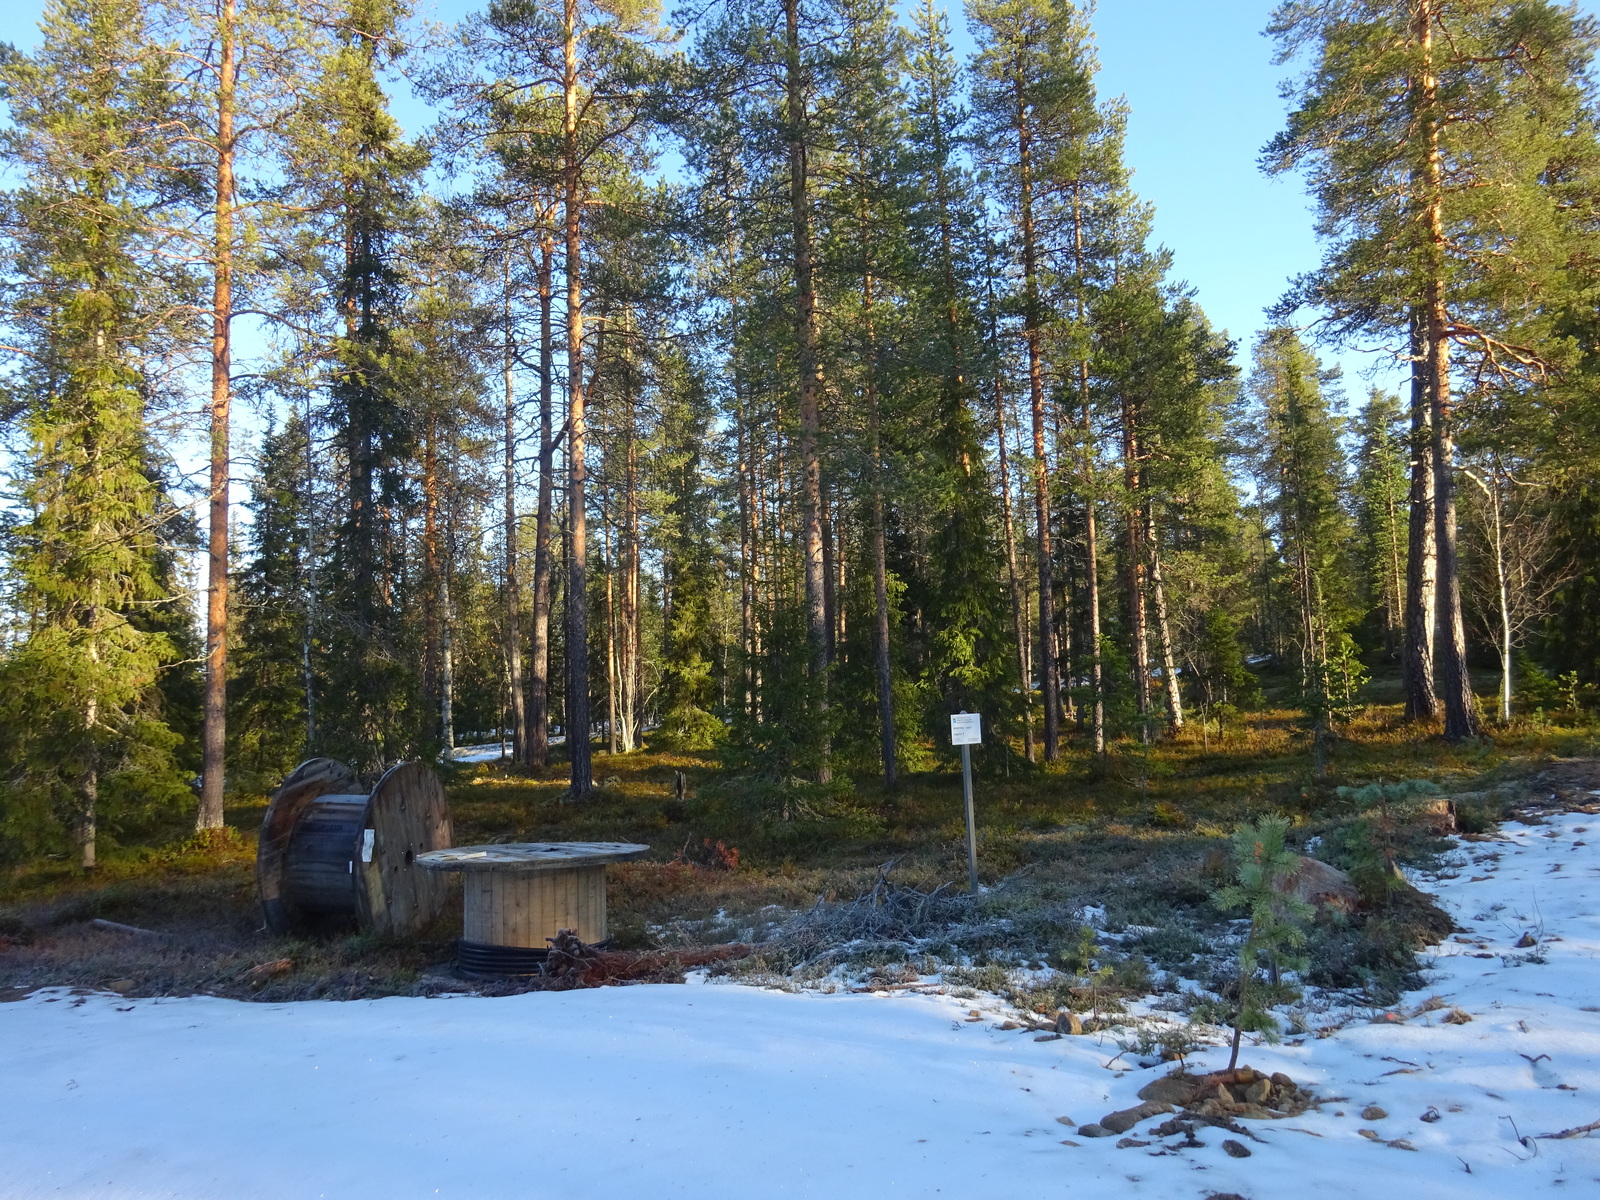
538, 753
577, 519
213, 736
1455, 684
1091, 538
880, 557
447, 669
810, 376
1049, 675
519, 712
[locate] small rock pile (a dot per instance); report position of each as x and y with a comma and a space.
1220, 1098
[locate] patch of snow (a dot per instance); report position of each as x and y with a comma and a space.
730, 1091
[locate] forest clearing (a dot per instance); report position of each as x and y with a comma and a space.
587, 585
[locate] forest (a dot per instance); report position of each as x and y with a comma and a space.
765, 382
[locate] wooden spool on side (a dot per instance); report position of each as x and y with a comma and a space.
322, 854
408, 815
527, 908
313, 778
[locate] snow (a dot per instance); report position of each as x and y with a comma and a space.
727, 1091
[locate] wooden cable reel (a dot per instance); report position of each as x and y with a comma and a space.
329, 849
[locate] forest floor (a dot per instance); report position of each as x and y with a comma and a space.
1137, 841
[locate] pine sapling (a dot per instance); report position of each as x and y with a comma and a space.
1263, 866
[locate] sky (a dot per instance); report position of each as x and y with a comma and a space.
1203, 95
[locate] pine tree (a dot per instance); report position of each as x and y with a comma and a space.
1437, 135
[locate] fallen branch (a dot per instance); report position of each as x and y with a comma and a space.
119, 927
1575, 1131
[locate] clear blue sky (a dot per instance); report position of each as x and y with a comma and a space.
1202, 90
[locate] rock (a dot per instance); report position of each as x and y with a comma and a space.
1224, 1196
1125, 1119
1129, 1143
1007, 1026
1070, 1142
1401, 1144
1282, 1082
1372, 1135
1525, 942
1236, 1149
1323, 887
1258, 1092
1094, 1130
1224, 1096
1068, 1022
1065, 1121
1373, 1113
1177, 1090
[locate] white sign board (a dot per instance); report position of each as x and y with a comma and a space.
966, 729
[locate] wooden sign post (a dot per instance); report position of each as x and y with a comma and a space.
966, 731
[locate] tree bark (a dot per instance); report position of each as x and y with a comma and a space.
577, 568
538, 749
1018, 619
213, 736
1091, 537
513, 585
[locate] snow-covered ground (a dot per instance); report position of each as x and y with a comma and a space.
726, 1091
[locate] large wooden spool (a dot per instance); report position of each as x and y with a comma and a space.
519, 895
330, 850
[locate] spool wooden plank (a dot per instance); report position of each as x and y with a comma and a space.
311, 779
407, 816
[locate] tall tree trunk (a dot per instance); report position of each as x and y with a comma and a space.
1455, 685
513, 584
1049, 674
1091, 538
447, 668
810, 375
214, 738
1158, 593
1416, 663
1138, 623
578, 567
538, 754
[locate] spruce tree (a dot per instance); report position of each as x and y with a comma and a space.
85, 742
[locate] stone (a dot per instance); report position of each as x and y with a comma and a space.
1069, 1022
1282, 1082
1525, 942
1372, 1135
1224, 1096
1095, 1130
1125, 1119
1401, 1144
1176, 1090
1065, 1121
1373, 1113
1128, 1143
1258, 1092
1325, 888
1236, 1149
